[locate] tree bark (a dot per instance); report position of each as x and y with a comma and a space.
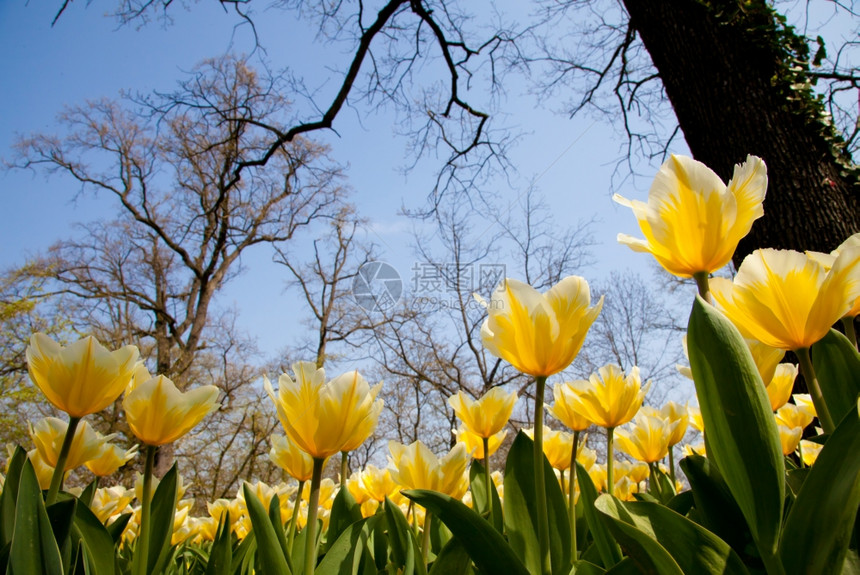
724, 70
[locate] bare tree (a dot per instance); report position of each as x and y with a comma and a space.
152, 274
739, 80
325, 283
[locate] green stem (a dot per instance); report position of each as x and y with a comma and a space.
141, 551
772, 564
800, 456
704, 286
489, 479
672, 465
655, 483
344, 467
610, 456
571, 498
425, 537
540, 484
411, 511
297, 508
311, 527
59, 470
850, 330
815, 390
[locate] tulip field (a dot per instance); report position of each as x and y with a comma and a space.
772, 485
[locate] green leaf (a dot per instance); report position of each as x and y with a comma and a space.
89, 493
116, 528
624, 567
520, 509
344, 512
837, 366
682, 502
606, 545
221, 553
695, 549
9, 494
243, 552
586, 568
61, 514
717, 508
96, 542
162, 514
644, 550
795, 478
278, 526
452, 560
344, 555
404, 547
34, 550
819, 525
486, 546
477, 484
742, 434
270, 555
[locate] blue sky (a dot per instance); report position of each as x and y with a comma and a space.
86, 56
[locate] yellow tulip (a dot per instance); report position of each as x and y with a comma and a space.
48, 435
635, 472
219, 507
111, 501
287, 455
695, 416
608, 398
791, 416
377, 482
416, 467
81, 378
647, 438
672, 413
809, 451
356, 488
158, 413
557, 446
780, 386
693, 221
789, 437
264, 492
44, 471
698, 449
181, 486
827, 260
786, 299
325, 418
539, 334
562, 408
803, 401
766, 358
110, 459
475, 443
585, 456
488, 415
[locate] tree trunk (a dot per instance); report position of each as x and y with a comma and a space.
729, 79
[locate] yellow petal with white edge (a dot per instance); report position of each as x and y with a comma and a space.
837, 296
749, 186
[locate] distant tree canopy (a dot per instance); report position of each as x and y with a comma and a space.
738, 77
